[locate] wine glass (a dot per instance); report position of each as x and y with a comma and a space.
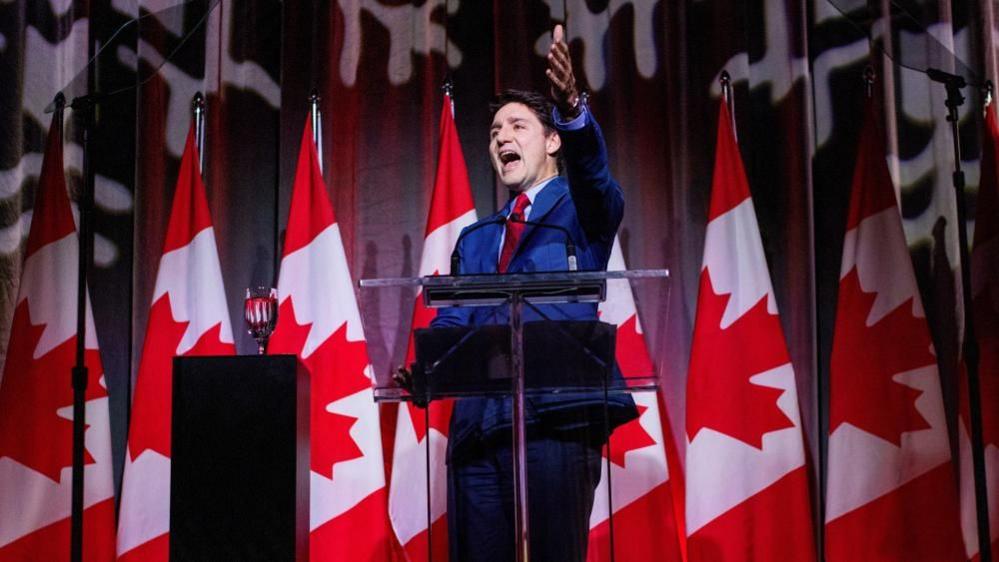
260, 312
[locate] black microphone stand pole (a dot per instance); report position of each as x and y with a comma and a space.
953, 83
84, 107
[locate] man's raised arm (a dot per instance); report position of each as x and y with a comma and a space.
598, 198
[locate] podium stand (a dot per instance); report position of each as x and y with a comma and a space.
514, 291
239, 484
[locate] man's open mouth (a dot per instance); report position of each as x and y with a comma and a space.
508, 159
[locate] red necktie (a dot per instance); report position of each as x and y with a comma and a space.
513, 231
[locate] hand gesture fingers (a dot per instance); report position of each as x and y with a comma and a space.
559, 73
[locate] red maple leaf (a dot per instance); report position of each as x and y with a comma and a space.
289, 336
632, 354
150, 427
210, 343
337, 370
151, 412
866, 358
988, 386
629, 437
440, 417
31, 392
331, 442
440, 410
719, 393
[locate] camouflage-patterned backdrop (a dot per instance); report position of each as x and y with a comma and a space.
652, 68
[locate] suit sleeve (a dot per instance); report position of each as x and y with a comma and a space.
597, 196
451, 316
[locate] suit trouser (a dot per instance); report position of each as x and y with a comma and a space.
563, 470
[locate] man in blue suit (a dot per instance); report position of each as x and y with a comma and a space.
529, 139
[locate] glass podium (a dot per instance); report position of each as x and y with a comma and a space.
515, 357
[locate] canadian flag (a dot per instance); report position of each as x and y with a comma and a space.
641, 490
451, 210
985, 304
188, 317
36, 399
747, 479
891, 492
318, 321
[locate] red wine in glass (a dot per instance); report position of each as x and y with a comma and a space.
260, 313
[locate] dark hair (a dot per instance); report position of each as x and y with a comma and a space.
539, 105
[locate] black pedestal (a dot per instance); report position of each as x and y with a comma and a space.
239, 459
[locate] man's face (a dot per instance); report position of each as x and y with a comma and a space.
521, 153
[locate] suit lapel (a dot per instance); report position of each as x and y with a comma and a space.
544, 203
488, 246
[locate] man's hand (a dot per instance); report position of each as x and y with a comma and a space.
404, 378
563, 83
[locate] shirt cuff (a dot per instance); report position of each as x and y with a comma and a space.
578, 123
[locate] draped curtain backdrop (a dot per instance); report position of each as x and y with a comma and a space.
651, 66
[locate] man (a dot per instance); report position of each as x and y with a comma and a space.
527, 140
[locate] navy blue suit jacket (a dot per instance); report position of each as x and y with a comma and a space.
590, 204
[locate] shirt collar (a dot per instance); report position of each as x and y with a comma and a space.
533, 191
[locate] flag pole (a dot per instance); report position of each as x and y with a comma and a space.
953, 84
317, 125
198, 106
726, 88
448, 89
989, 92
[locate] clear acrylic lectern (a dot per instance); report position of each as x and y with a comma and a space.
515, 358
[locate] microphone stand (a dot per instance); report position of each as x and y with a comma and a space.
85, 107
570, 248
953, 83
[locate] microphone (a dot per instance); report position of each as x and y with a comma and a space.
944, 77
455, 254
570, 248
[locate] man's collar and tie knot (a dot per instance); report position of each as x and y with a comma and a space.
514, 230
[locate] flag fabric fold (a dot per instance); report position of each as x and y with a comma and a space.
891, 492
188, 317
747, 494
36, 399
451, 209
318, 320
985, 305
642, 487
